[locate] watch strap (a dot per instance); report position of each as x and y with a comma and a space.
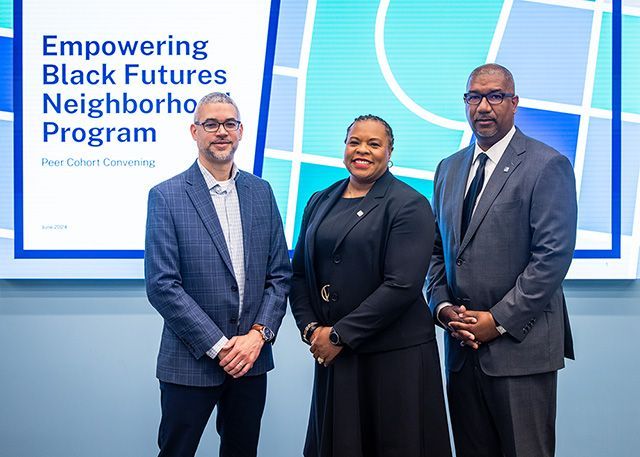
265, 333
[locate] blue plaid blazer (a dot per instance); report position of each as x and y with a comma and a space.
190, 279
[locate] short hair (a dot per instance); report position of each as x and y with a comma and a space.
372, 117
215, 97
492, 68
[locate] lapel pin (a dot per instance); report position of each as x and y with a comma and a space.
360, 213
506, 169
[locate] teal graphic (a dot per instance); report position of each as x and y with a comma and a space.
408, 62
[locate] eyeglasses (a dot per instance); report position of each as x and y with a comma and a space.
494, 98
212, 126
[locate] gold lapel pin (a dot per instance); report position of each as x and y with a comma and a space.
324, 292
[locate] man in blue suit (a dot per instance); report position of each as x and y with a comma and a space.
217, 270
505, 212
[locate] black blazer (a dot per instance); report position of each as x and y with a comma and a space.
379, 267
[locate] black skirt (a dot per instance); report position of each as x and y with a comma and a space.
383, 404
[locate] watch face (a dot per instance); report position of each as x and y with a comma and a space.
334, 338
267, 334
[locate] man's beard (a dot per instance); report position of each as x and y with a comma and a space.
217, 156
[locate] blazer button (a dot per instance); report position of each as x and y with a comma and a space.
334, 296
459, 262
234, 288
337, 259
233, 320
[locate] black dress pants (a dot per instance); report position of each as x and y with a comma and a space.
186, 411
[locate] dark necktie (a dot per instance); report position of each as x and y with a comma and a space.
472, 194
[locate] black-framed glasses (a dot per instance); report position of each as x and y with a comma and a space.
212, 126
494, 98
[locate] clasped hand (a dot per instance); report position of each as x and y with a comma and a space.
472, 328
321, 348
240, 353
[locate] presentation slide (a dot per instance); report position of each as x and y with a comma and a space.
96, 101
103, 98
105, 107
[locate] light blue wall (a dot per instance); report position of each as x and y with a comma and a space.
77, 374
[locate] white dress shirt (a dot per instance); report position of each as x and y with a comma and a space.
227, 205
494, 153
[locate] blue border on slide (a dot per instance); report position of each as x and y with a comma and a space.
19, 251
616, 143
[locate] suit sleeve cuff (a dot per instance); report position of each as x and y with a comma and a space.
439, 308
213, 352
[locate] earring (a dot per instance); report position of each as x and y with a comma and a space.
390, 164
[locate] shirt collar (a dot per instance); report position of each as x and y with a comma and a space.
213, 182
495, 152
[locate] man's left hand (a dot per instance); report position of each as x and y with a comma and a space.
240, 353
484, 329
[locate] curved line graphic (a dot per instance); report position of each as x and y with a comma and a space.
393, 84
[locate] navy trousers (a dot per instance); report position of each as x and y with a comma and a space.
186, 411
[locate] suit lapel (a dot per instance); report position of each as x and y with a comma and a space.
369, 202
323, 207
458, 190
503, 171
198, 192
317, 216
246, 213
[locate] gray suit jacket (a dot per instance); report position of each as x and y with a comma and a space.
190, 278
513, 258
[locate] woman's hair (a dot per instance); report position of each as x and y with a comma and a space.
371, 117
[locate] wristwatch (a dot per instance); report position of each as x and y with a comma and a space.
501, 330
265, 332
334, 338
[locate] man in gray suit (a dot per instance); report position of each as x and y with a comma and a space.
505, 212
217, 270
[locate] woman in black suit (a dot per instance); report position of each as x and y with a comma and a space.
359, 268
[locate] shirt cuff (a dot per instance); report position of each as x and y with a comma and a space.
213, 352
439, 308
